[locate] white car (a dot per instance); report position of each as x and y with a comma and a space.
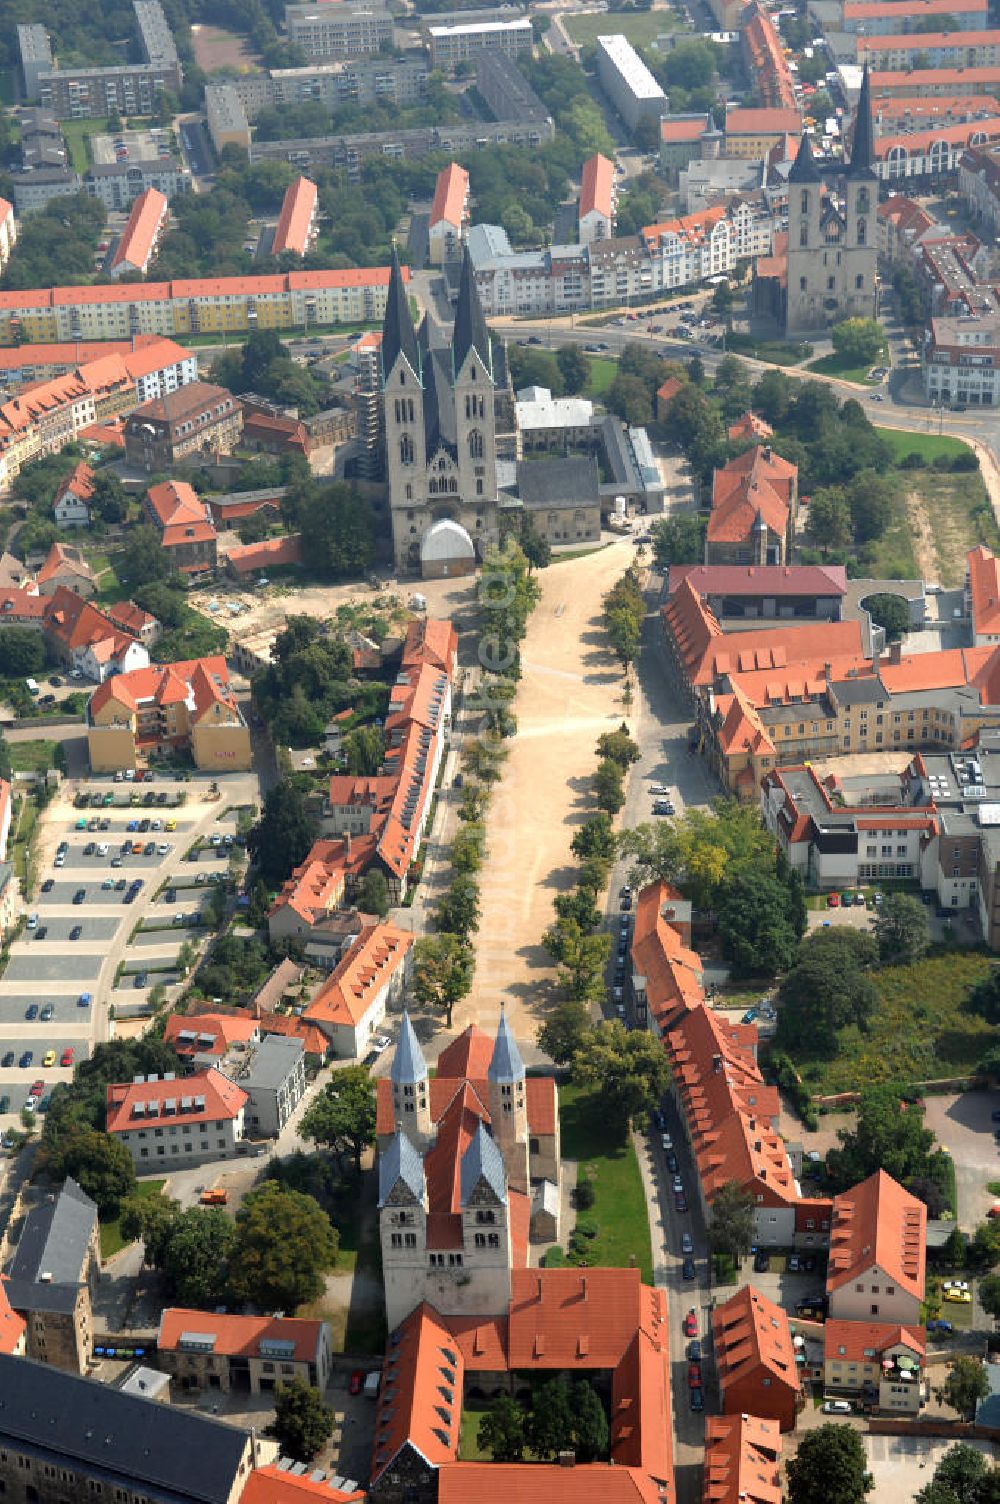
163, 849
381, 1042
837, 1407
102, 850
666, 1143
658, 789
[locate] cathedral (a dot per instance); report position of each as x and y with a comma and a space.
443, 401
468, 1168
831, 270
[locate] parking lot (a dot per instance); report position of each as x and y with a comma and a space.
141, 146
87, 925
963, 1125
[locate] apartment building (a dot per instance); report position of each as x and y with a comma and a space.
665, 974
8, 232
765, 60
352, 1005
98, 643
349, 152
930, 83
940, 49
890, 116
755, 1358
893, 18
347, 30
273, 1075
315, 888
290, 300
877, 1364
185, 706
960, 361
141, 236
85, 93
462, 42
206, 1350
298, 221
165, 1121
226, 116
449, 217
742, 1460
119, 184
979, 184
506, 90
627, 81
187, 532
598, 197
197, 419
930, 155
53, 1275
361, 81
36, 56
878, 1251
753, 133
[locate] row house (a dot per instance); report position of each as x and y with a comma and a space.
755, 1359
926, 157
979, 184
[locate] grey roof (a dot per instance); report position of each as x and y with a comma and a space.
55, 1238
506, 1064
485, 242
274, 1060
866, 690
471, 332
400, 1161
804, 169
398, 334
171, 1456
564, 481
408, 1063
482, 1160
863, 145
27, 1295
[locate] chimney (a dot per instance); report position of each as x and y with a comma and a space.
828, 672
583, 1287
767, 452
347, 843
895, 652
567, 1459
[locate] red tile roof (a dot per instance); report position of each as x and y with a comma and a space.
433, 641
752, 1338
890, 79
314, 1041
927, 40
75, 623
984, 588
916, 143
672, 131
742, 1460
317, 884
244, 558
297, 218
240, 1336
776, 121
544, 1483
751, 426
146, 219
766, 59
864, 1341
761, 579
672, 971
756, 484
63, 559
879, 1224
422, 1360
172, 503
12, 1326
597, 186
205, 680
345, 997
79, 483
451, 195
276, 1485
222, 1097
208, 1033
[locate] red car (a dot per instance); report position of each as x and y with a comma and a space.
833, 900
67, 1056
691, 1323
356, 1382
36, 1089
694, 1375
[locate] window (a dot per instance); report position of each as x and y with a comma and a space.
874, 1310
804, 241
406, 449
859, 283
804, 201
475, 445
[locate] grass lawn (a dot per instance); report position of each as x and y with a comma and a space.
893, 555
76, 133
32, 757
642, 28
921, 1028
25, 820
774, 350
619, 1203
930, 446
111, 1235
602, 373
838, 365
468, 1431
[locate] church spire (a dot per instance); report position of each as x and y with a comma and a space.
408, 1064
398, 334
506, 1065
863, 146
470, 332
804, 169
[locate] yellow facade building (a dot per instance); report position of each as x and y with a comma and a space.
173, 707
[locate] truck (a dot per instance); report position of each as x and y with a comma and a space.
373, 1383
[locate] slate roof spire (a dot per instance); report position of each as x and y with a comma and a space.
398, 334
482, 1161
400, 1162
408, 1063
804, 169
506, 1065
863, 147
470, 331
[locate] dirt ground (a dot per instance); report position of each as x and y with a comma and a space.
215, 48
569, 693
923, 536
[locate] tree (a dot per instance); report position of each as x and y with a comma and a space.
889, 611
859, 342
678, 540
302, 1421
443, 967
731, 1227
502, 1430
192, 1253
562, 1033
609, 792
286, 831
142, 558
22, 653
829, 1467
871, 499
829, 518
590, 1424
364, 750
458, 911
901, 929
550, 1420
966, 1385
575, 368
630, 398
624, 612
722, 299
484, 757
887, 1135
984, 1250
469, 847
755, 924
99, 1163
581, 957
629, 1069
537, 548
989, 1295
961, 1471
619, 747
372, 895
342, 1117
699, 851
284, 1244
827, 988
595, 837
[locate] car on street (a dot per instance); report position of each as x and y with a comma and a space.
48, 885
671, 1161
666, 1142
27, 1060
687, 1243
139, 980
41, 932
678, 1185
688, 1270
694, 1375
696, 1399
80, 896
84, 1000
694, 1351
794, 1264
943, 1328
658, 788
680, 1202
49, 1058
690, 1323
76, 932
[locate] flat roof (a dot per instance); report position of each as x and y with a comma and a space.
634, 73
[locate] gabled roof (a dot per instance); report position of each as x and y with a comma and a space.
451, 194
79, 483
865, 1341
470, 332
278, 1485
55, 1239
167, 683
364, 971
12, 1326
240, 1336
742, 1460
173, 503
64, 559
203, 1097
757, 485
761, 579
752, 427
672, 971
482, 1162
597, 186
138, 239
752, 1340
420, 1404
984, 588
208, 1033
400, 1161
295, 222
880, 1224
398, 334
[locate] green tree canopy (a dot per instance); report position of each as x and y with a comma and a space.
629, 1068
502, 1430
731, 1227
827, 988
966, 1384
887, 1135
443, 968
22, 653
701, 850
678, 540
757, 924
99, 1163
829, 1467
342, 1117
285, 833
302, 1423
889, 611
562, 1033
901, 929
284, 1245
859, 341
575, 368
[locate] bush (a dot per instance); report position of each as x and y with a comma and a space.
967, 460
553, 1258
587, 1228
584, 1194
912, 461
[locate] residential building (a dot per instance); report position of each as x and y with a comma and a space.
203, 1039
71, 503
362, 81
195, 420
600, 1322
764, 57
507, 92
890, 116
884, 18
878, 1251
226, 116
297, 225
119, 184
665, 974
11, 903
598, 196
926, 157
742, 1460
36, 56
166, 708
72, 93
752, 133
459, 1155
451, 45
960, 360
206, 1350
166, 1121
770, 592
982, 596
755, 1358
347, 30
313, 891
832, 241
449, 217
53, 1275
6, 810
63, 1436
66, 568
184, 523
878, 1364
246, 559
96, 642
627, 81
754, 505
141, 236
684, 139
979, 184
33, 190
939, 49
273, 1075
926, 83
349, 152
8, 232
351, 1006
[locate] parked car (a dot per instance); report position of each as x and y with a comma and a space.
837, 1407
688, 1270
47, 1014
943, 1328
356, 1382
666, 1142
696, 1399
31, 1011
694, 1351
41, 932
672, 1162
66, 1058
48, 885
680, 1202
762, 1261
76, 932
80, 896
687, 1243
690, 1323
833, 900
8, 1060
